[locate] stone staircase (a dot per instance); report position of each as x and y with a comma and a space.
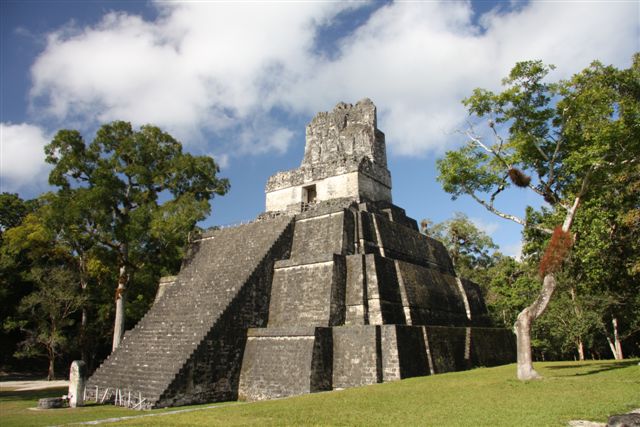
181, 349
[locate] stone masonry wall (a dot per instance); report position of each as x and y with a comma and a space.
286, 361
315, 290
479, 313
357, 356
406, 244
432, 297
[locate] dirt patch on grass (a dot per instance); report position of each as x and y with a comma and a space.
31, 385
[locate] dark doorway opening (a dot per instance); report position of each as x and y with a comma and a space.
309, 194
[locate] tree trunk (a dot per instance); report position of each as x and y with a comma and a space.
118, 327
612, 346
578, 312
580, 346
522, 328
616, 340
83, 336
51, 374
52, 359
84, 318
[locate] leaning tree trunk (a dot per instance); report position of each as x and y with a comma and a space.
118, 327
523, 328
554, 255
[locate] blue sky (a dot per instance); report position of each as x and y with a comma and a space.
240, 81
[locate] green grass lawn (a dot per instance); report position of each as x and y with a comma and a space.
486, 396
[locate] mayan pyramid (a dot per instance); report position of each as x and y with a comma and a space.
332, 287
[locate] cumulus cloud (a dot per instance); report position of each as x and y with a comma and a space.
22, 157
514, 251
204, 67
489, 227
417, 61
199, 66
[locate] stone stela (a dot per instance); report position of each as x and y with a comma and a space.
331, 287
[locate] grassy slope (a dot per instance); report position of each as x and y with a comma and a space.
491, 396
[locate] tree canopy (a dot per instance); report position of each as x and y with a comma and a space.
133, 193
469, 247
566, 141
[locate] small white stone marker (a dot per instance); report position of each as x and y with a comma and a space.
77, 375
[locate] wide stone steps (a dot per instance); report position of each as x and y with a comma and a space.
152, 355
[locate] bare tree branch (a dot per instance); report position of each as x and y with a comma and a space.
510, 217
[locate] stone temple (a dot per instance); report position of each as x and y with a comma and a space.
332, 287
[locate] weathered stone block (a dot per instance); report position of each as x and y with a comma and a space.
286, 361
357, 356
316, 290
432, 297
624, 420
51, 403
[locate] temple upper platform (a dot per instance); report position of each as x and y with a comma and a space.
344, 157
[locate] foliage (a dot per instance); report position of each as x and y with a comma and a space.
559, 133
12, 210
135, 195
509, 287
468, 246
47, 314
556, 251
126, 202
565, 141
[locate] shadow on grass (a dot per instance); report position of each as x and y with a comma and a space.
32, 394
595, 368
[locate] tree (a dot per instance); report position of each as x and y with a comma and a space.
14, 284
13, 210
47, 312
605, 259
572, 137
467, 245
135, 194
49, 295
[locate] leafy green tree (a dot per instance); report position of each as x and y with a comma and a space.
47, 313
13, 210
468, 246
48, 295
13, 283
135, 194
605, 258
508, 287
563, 141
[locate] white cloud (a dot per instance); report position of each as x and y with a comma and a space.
22, 157
418, 60
200, 66
489, 227
221, 67
222, 160
514, 250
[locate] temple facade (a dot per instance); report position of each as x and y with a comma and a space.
331, 287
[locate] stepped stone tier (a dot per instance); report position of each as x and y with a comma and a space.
332, 287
